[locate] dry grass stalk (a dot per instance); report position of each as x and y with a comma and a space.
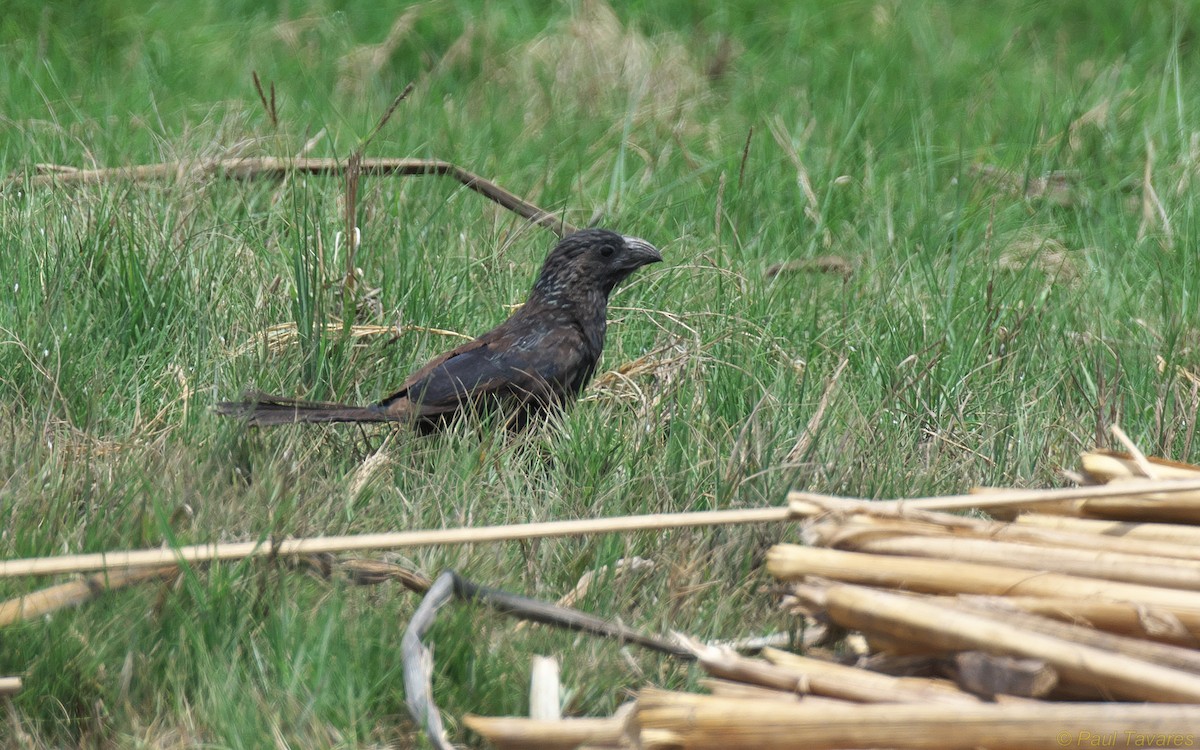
1154, 213
811, 203
1171, 534
1114, 566
584, 584
279, 337
790, 562
831, 264
662, 366
372, 467
805, 442
1029, 248
1059, 188
395, 540
562, 734
73, 593
357, 69
1191, 375
863, 686
662, 360
950, 628
699, 721
807, 599
268, 106
353, 178
594, 59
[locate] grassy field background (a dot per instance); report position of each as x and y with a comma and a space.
994, 322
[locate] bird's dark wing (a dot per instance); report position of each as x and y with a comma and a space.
516, 364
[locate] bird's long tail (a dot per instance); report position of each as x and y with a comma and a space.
265, 410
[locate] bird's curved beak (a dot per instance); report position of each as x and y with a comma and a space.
641, 252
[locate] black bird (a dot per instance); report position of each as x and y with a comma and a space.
538, 359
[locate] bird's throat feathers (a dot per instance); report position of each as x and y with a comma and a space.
584, 307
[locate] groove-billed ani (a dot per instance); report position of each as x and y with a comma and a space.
541, 357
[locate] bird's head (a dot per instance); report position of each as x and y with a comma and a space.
590, 261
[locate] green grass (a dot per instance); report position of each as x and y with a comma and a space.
989, 335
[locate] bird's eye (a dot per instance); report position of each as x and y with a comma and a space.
607, 251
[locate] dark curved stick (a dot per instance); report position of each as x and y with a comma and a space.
276, 168
418, 659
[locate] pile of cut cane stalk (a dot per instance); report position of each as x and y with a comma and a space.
1059, 618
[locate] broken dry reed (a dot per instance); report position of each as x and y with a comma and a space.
1115, 566
1185, 659
728, 665
791, 562
544, 689
1178, 534
1179, 627
897, 523
1160, 492
74, 593
734, 689
565, 734
861, 686
1131, 465
946, 627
